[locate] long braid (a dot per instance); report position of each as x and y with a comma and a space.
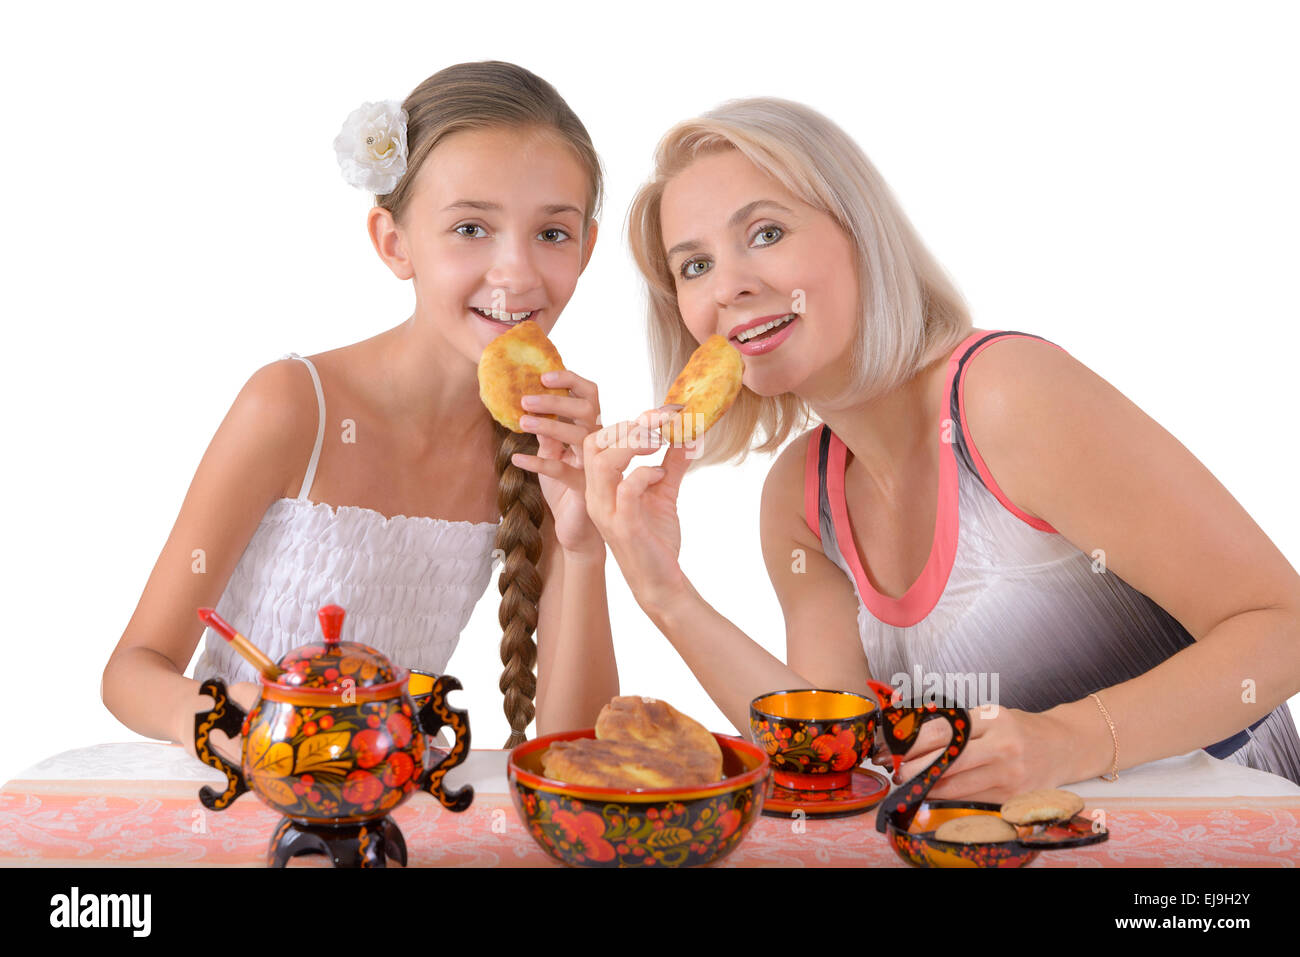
519, 498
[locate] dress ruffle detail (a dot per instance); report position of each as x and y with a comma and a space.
408, 584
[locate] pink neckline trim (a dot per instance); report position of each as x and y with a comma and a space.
919, 600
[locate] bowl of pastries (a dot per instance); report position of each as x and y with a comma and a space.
647, 787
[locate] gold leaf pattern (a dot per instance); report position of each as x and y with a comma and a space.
266, 756
277, 789
321, 750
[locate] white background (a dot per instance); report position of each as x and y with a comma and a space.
1119, 178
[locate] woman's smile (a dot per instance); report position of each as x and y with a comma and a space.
762, 335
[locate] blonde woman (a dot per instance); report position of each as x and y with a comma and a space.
950, 500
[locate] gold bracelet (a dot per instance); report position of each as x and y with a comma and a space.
1114, 738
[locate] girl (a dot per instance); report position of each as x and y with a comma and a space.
973, 503
392, 505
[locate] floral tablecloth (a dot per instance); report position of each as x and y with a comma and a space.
137, 805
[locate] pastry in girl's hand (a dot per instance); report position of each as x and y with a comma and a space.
511, 367
705, 389
1041, 807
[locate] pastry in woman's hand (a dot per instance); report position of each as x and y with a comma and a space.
511, 367
705, 389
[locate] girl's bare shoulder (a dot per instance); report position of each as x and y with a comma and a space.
277, 413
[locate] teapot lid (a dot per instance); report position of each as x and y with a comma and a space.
330, 665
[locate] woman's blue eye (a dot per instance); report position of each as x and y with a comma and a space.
687, 270
548, 232
776, 231
468, 226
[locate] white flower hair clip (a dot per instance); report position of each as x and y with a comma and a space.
371, 147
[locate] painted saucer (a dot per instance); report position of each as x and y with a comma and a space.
865, 790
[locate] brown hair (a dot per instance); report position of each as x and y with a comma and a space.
909, 311
492, 94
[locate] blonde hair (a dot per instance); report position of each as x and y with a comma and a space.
492, 95
910, 310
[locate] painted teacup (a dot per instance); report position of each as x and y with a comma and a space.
814, 738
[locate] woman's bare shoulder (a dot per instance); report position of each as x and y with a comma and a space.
783, 491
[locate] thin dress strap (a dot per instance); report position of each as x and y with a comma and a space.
310, 477
962, 441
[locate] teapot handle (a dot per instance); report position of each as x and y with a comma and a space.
431, 718
227, 716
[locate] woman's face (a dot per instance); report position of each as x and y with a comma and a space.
745, 252
495, 224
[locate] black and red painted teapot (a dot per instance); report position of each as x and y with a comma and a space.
334, 743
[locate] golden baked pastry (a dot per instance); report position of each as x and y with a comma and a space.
657, 724
1038, 807
640, 743
976, 829
705, 388
511, 367
625, 764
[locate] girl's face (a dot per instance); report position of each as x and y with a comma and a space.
745, 252
493, 233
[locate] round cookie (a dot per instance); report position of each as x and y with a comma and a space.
705, 389
976, 829
1039, 807
511, 367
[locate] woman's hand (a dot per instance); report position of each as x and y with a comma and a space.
637, 515
559, 459
1008, 754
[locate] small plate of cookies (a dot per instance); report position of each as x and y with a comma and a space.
981, 834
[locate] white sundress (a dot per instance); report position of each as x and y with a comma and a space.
408, 584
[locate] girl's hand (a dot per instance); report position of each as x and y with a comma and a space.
637, 515
1007, 754
558, 462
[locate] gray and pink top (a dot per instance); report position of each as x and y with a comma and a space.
1004, 594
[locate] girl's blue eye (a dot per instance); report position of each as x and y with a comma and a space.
775, 231
468, 226
688, 272
560, 232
